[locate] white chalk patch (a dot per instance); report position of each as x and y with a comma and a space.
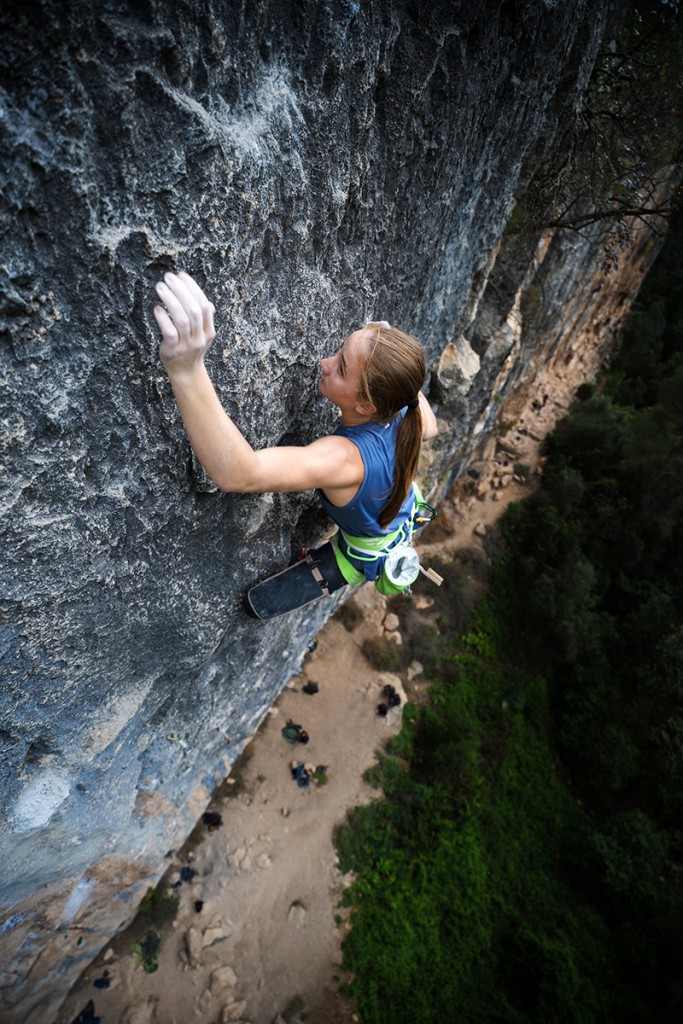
76, 900
112, 718
39, 801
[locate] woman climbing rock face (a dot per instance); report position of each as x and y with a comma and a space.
363, 472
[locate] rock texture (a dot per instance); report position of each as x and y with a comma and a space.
315, 165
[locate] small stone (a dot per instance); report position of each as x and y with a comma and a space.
391, 622
138, 1013
216, 933
193, 945
285, 812
297, 914
263, 861
422, 602
495, 496
233, 1011
108, 954
480, 530
221, 979
416, 668
237, 857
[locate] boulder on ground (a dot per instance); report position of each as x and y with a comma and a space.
221, 979
232, 1013
193, 947
139, 1013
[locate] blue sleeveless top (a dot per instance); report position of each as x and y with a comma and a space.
376, 443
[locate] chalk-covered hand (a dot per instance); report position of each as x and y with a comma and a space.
186, 324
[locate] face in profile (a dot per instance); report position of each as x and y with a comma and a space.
341, 372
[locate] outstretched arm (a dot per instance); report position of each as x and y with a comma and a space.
188, 331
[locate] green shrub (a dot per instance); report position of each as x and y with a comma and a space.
158, 907
426, 645
380, 653
350, 615
631, 853
147, 949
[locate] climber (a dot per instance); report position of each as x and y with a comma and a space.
363, 472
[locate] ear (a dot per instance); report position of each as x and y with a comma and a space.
365, 408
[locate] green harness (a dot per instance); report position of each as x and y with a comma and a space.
369, 549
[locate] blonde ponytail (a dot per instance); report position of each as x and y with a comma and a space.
391, 379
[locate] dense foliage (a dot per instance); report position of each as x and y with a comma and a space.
526, 864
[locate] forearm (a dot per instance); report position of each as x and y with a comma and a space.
219, 445
186, 324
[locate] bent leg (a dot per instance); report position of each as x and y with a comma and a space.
312, 577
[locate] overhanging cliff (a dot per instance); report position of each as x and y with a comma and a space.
314, 165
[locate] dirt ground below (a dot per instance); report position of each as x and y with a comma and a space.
265, 944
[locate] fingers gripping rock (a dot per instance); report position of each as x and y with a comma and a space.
186, 322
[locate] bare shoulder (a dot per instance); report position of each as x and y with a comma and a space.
341, 458
337, 447
429, 425
347, 475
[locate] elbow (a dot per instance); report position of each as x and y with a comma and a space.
234, 479
231, 486
237, 485
431, 428
429, 425
226, 481
432, 425
239, 476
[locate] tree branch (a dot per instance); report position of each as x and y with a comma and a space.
612, 214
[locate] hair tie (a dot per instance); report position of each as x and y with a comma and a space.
414, 404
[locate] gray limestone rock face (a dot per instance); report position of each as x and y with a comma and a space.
314, 165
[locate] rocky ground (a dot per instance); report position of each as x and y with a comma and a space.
257, 937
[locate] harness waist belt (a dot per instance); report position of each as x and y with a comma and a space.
369, 549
